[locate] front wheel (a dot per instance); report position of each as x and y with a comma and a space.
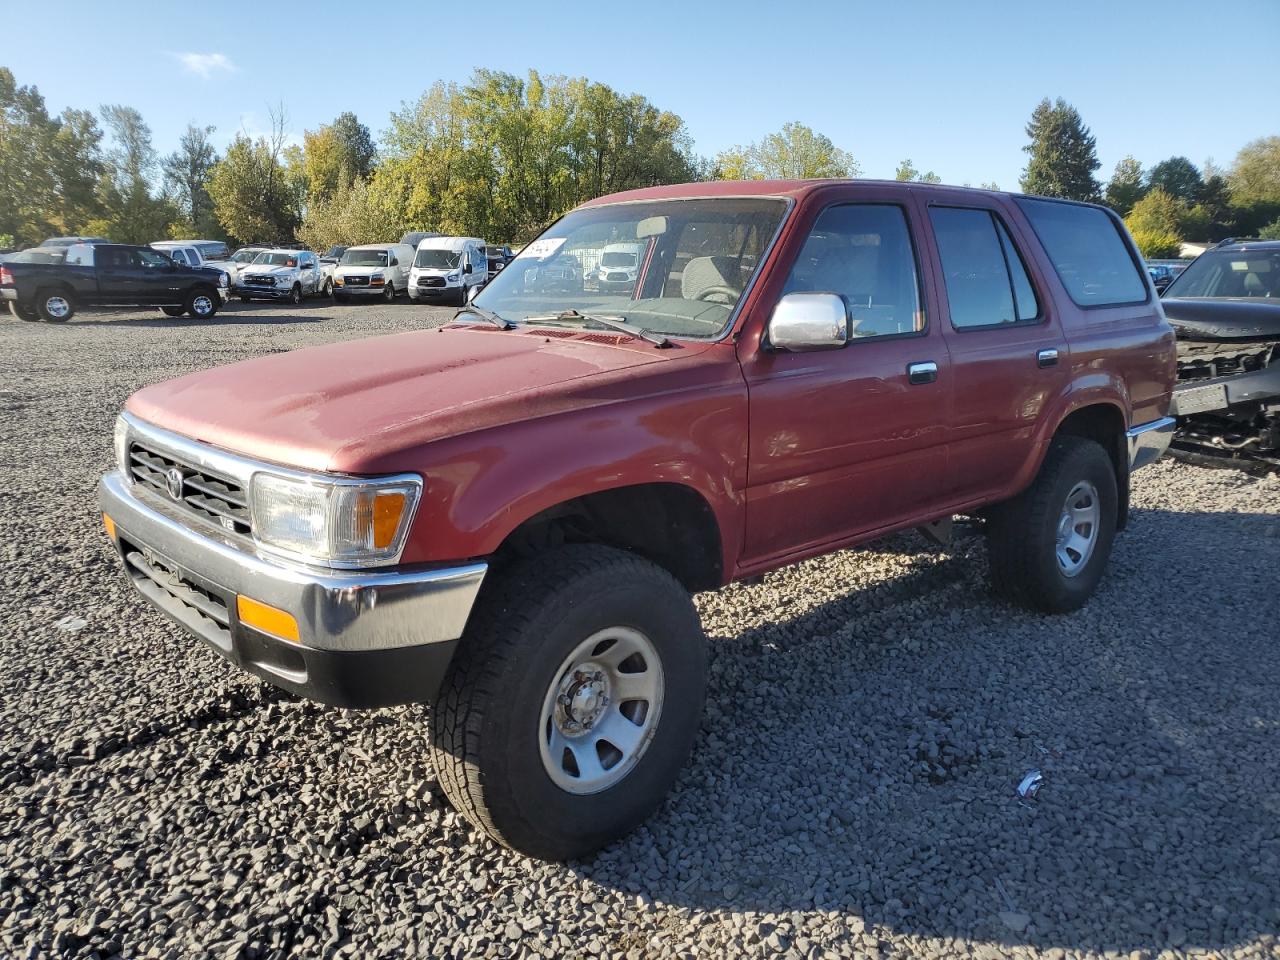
389, 293
572, 702
1048, 547
295, 295
173, 311
327, 289
201, 304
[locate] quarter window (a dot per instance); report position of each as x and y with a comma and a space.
863, 252
987, 283
1091, 257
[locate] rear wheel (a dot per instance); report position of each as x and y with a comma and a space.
23, 312
572, 701
201, 304
1048, 547
173, 311
55, 306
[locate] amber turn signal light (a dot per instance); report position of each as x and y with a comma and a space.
266, 618
110, 525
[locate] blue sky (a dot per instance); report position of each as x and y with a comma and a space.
949, 85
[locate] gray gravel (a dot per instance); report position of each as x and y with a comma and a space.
852, 792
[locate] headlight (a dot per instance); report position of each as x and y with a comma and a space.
452, 278
338, 522
120, 441
224, 279
282, 281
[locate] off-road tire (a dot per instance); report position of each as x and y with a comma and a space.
1022, 533
484, 723
23, 312
173, 311
197, 296
43, 299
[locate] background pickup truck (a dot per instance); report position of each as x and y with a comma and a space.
284, 275
111, 274
505, 516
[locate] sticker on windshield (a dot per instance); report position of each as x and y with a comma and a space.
541, 249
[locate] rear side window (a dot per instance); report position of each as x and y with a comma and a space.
1090, 256
987, 284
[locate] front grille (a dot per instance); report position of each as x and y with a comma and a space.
217, 499
1207, 361
617, 277
258, 280
182, 598
431, 281
356, 281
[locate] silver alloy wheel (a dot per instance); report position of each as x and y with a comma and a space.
601, 710
201, 305
1078, 528
58, 307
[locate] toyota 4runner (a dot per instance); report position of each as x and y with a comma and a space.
504, 517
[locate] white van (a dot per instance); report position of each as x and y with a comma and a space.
372, 270
447, 269
619, 267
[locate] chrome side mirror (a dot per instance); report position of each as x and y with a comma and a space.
809, 321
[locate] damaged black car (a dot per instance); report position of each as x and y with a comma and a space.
1225, 309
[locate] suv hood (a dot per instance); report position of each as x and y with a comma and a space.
346, 407
269, 270
1221, 318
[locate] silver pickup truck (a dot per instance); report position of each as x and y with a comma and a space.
284, 275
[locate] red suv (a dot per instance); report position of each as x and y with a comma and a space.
504, 517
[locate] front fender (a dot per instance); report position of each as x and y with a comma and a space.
480, 486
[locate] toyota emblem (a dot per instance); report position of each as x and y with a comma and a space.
173, 482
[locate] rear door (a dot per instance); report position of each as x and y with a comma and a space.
847, 441
120, 277
1008, 351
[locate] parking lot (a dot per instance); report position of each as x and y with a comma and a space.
852, 790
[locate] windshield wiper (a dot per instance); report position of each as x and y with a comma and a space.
613, 323
487, 315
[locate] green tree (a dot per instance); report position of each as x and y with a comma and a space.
1156, 223
336, 155
1255, 175
134, 213
351, 216
1125, 188
504, 156
1063, 153
254, 196
907, 172
186, 174
1177, 177
796, 152
28, 190
1271, 231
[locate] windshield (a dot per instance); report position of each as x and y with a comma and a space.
335, 252
1230, 273
441, 259
244, 256
618, 260
365, 258
277, 259
699, 257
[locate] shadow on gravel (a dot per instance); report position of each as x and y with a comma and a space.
220, 319
862, 758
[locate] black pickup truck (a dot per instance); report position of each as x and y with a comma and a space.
111, 274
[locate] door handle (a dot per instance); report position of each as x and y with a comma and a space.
1047, 358
920, 373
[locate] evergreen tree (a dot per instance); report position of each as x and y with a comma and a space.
1125, 187
1177, 177
1063, 154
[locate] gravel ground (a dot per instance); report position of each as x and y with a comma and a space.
852, 791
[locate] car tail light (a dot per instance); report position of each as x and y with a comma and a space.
6, 277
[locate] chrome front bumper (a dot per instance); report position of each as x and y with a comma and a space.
1149, 441
365, 638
